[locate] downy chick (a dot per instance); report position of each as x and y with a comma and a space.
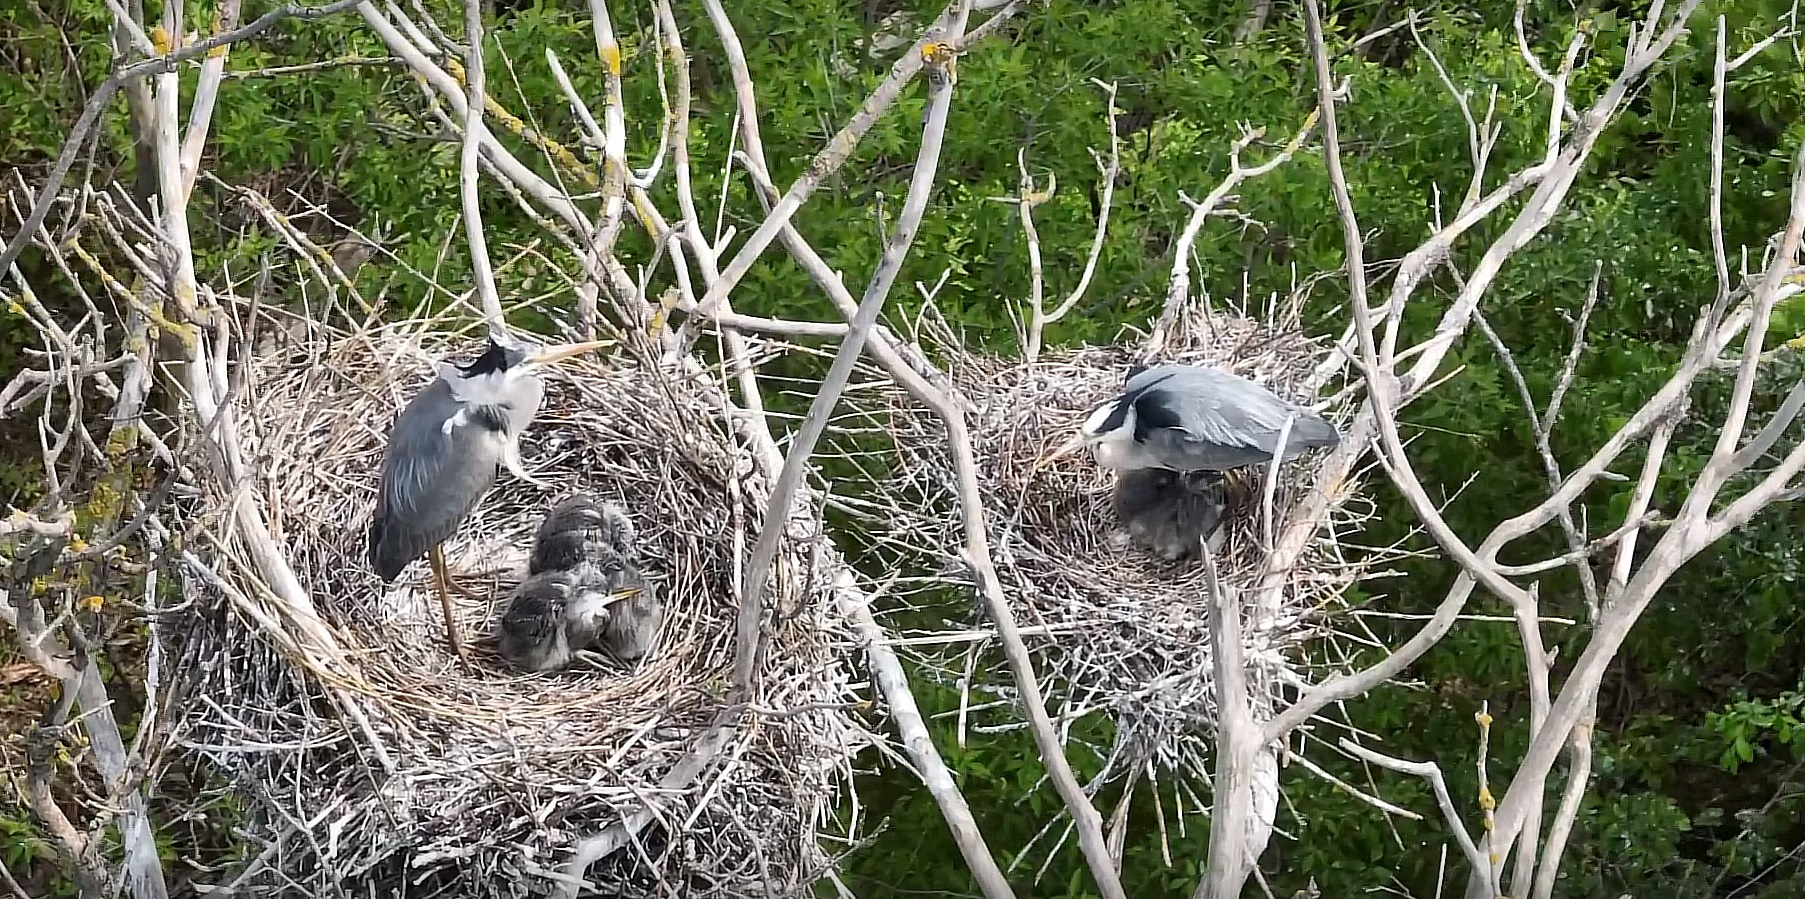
1169, 512
584, 589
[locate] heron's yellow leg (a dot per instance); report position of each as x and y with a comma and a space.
441, 578
454, 580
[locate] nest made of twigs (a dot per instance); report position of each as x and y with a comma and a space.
383, 766
1114, 629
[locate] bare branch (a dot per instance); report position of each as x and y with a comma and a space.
474, 132
1691, 532
1109, 172
826, 162
97, 103
1432, 773
921, 185
1179, 291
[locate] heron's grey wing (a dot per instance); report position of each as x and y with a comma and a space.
432, 477
1207, 419
1190, 432
1142, 377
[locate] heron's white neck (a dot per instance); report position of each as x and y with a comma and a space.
1114, 449
1111, 448
495, 388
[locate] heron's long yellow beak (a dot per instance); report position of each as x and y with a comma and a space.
1071, 445
565, 351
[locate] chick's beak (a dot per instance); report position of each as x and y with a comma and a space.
565, 351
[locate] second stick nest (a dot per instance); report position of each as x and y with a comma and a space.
1114, 630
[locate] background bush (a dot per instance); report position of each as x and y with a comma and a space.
1698, 789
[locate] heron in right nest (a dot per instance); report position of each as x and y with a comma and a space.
1173, 436
583, 590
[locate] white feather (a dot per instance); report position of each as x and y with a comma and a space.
487, 389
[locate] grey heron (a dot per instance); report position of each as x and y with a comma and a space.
583, 589
443, 453
1195, 422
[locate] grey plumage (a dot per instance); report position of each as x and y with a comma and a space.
1198, 418
443, 456
634, 625
551, 615
582, 529
444, 452
1172, 433
584, 590
1169, 512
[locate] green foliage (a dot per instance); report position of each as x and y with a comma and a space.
1749, 724
1696, 774
24, 849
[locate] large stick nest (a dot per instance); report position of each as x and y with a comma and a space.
1115, 631
381, 767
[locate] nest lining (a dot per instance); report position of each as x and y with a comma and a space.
484, 780
1114, 629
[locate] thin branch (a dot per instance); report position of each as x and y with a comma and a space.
1692, 531
1178, 292
1432, 773
1109, 172
825, 163
97, 103
468, 176
921, 185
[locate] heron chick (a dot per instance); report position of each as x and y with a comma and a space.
1190, 422
581, 530
444, 452
584, 590
551, 616
1170, 512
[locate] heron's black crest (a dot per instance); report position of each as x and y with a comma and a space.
496, 358
1137, 369
1151, 413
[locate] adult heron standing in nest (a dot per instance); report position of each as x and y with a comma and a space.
1173, 433
444, 451
583, 589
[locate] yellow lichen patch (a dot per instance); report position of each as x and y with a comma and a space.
93, 602
611, 58
106, 499
666, 302
160, 40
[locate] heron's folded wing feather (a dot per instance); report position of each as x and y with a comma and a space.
1214, 430
432, 478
